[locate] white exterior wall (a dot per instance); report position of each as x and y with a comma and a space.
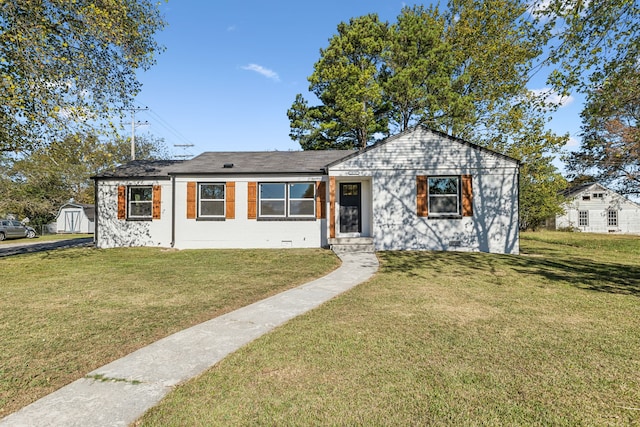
113, 232
393, 168
598, 208
242, 232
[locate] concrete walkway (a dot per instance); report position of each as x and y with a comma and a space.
119, 393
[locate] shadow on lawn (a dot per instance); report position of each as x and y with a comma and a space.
583, 273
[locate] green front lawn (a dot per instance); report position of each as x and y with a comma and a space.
65, 313
550, 337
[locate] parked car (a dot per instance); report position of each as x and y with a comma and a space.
12, 229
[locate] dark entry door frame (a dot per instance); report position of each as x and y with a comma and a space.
350, 207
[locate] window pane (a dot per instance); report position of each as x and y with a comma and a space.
139, 194
140, 209
272, 191
349, 189
447, 185
301, 207
212, 191
443, 204
212, 208
301, 191
272, 207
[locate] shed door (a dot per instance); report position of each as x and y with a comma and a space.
350, 207
72, 221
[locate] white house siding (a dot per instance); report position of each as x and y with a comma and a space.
598, 222
393, 168
242, 232
113, 232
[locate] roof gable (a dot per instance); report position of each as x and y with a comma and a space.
422, 145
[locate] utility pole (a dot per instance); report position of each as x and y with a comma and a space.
133, 128
184, 147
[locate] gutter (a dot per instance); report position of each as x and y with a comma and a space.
173, 210
96, 218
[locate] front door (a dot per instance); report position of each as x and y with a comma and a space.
350, 207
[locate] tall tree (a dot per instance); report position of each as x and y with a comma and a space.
420, 71
610, 148
347, 80
69, 64
37, 183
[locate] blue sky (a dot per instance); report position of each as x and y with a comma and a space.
231, 70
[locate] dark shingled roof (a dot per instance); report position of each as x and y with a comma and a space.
142, 169
261, 162
577, 189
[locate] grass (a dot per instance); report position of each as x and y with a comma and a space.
550, 337
64, 313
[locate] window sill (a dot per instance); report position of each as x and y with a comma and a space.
139, 219
444, 217
211, 219
287, 219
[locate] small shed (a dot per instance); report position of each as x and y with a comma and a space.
76, 218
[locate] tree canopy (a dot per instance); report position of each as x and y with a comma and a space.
67, 66
36, 185
610, 149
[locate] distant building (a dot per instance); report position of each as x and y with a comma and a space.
75, 218
593, 208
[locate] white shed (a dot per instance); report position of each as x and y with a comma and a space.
75, 218
593, 208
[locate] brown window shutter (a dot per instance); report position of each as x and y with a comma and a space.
467, 196
122, 202
157, 190
422, 208
321, 200
191, 200
332, 207
231, 200
252, 200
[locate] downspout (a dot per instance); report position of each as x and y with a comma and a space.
96, 218
173, 210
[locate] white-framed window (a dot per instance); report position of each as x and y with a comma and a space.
598, 195
211, 200
140, 200
444, 195
612, 218
302, 199
287, 200
583, 218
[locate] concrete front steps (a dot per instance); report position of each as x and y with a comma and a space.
351, 244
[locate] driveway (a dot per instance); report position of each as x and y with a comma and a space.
22, 247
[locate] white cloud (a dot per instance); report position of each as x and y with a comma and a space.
552, 97
270, 74
572, 143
